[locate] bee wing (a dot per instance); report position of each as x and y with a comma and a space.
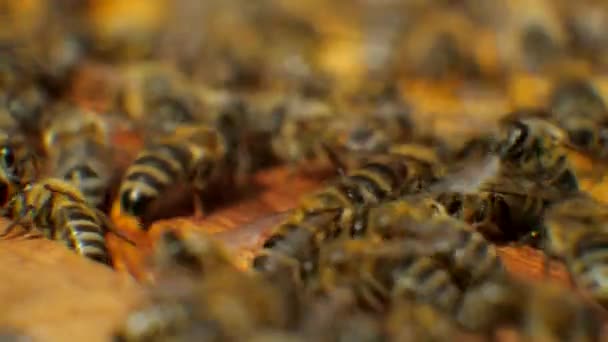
522, 186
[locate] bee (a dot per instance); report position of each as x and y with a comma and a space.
577, 106
425, 228
192, 154
575, 232
146, 85
502, 204
539, 311
18, 162
293, 246
409, 320
77, 146
376, 273
59, 211
537, 148
350, 127
531, 40
380, 178
439, 45
218, 300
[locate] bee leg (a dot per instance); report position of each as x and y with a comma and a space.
199, 208
21, 218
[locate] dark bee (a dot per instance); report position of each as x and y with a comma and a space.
576, 232
425, 228
376, 273
18, 162
578, 107
438, 45
379, 178
77, 145
294, 245
59, 211
190, 155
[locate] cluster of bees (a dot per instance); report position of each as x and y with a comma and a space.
401, 243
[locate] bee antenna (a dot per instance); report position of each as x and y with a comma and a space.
334, 159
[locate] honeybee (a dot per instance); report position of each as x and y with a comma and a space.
502, 204
18, 162
292, 248
538, 311
148, 85
439, 45
349, 127
415, 321
380, 178
219, 301
59, 211
76, 144
192, 154
578, 107
576, 231
424, 228
536, 148
377, 272
531, 40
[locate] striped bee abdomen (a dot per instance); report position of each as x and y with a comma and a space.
150, 175
81, 231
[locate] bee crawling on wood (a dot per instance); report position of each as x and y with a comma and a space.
380, 178
293, 246
192, 155
59, 211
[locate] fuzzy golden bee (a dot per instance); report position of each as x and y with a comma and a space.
59, 211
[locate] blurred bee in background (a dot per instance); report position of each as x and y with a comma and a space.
576, 233
154, 88
59, 211
531, 40
578, 107
77, 147
438, 45
586, 23
192, 155
408, 320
